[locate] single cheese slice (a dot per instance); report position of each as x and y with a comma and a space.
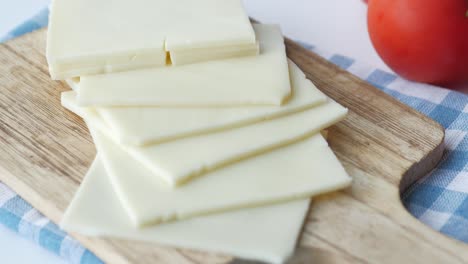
265, 233
298, 171
149, 125
121, 35
200, 55
262, 80
178, 161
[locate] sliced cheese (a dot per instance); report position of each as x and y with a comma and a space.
262, 80
265, 233
200, 55
122, 35
298, 171
178, 161
148, 125
74, 84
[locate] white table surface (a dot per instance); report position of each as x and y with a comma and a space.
338, 26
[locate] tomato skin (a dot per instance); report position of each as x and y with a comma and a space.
422, 40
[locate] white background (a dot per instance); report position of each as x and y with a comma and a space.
338, 26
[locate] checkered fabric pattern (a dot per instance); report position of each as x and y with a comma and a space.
440, 199
38, 21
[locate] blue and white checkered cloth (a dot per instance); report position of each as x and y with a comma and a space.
440, 199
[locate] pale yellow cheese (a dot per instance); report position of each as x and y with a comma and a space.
265, 233
148, 125
297, 171
200, 55
261, 80
74, 84
90, 37
178, 161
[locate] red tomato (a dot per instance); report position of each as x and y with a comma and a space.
422, 40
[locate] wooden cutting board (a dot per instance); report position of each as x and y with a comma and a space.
384, 145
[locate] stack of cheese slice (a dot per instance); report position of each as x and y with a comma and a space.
207, 136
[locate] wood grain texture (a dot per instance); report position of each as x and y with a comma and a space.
384, 145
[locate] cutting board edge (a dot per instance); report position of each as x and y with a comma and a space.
423, 167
